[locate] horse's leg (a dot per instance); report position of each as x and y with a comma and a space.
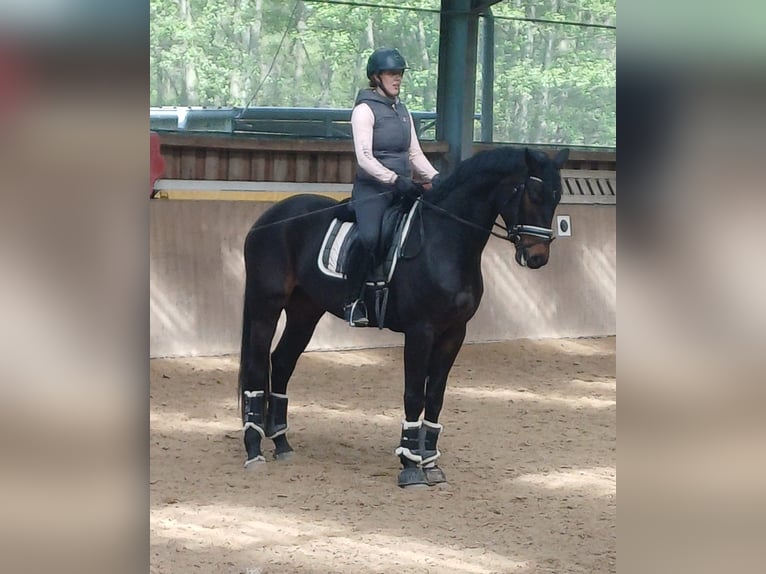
302, 317
417, 350
443, 355
258, 327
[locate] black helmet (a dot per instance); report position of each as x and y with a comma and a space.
385, 59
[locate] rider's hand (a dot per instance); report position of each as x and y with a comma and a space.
406, 187
436, 181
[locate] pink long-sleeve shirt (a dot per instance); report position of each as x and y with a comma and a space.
362, 122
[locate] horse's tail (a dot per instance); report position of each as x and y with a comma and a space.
244, 352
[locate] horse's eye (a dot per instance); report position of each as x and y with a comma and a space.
535, 190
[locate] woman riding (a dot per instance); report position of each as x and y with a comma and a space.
387, 152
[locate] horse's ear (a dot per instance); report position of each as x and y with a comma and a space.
561, 158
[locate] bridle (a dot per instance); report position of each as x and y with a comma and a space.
513, 234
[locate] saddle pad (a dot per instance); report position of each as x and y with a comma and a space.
341, 234
336, 239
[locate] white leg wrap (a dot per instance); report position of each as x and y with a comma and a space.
277, 409
430, 461
256, 427
253, 395
279, 433
400, 450
405, 451
429, 424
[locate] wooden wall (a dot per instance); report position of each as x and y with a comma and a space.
242, 158
197, 280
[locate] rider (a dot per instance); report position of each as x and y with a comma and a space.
387, 151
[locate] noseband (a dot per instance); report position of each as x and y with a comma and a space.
544, 233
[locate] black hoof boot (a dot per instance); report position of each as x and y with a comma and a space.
276, 427
412, 476
429, 436
282, 449
253, 417
409, 448
409, 451
277, 419
435, 475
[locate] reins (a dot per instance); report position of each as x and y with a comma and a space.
512, 235
466, 222
302, 215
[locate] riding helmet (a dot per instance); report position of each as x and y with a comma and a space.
385, 59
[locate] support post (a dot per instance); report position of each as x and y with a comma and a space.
457, 79
487, 76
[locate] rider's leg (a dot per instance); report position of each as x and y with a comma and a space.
359, 263
369, 208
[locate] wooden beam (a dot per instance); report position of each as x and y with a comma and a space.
228, 141
262, 196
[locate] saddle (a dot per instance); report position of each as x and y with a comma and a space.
341, 237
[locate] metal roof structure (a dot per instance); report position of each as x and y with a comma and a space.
455, 116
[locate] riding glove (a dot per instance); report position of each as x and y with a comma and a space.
436, 181
406, 187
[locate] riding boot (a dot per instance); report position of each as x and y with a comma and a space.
410, 455
429, 436
254, 418
355, 309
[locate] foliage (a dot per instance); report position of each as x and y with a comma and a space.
554, 83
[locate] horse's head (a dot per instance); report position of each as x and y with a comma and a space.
528, 214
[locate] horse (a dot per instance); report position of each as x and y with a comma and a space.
433, 294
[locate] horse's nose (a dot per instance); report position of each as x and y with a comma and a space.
536, 261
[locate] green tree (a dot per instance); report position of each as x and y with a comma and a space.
554, 82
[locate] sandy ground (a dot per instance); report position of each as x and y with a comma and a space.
528, 447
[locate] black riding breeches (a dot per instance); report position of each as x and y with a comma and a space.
370, 203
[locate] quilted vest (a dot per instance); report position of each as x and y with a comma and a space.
391, 133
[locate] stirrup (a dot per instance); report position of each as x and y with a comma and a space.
356, 314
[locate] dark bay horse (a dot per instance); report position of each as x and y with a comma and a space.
432, 295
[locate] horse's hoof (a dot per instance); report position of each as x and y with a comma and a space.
254, 463
412, 477
435, 476
284, 456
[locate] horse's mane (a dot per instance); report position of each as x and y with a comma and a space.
498, 161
